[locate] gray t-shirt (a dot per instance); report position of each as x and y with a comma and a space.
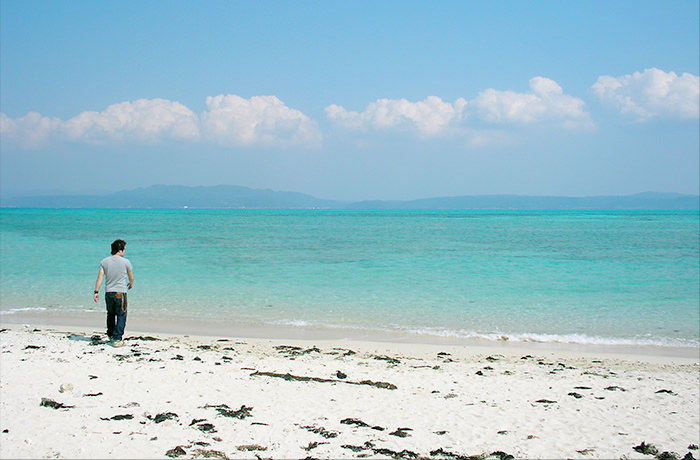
115, 268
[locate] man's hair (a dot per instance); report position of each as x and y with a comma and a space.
117, 246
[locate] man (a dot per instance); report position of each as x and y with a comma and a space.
114, 270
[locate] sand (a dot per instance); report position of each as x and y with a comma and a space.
65, 392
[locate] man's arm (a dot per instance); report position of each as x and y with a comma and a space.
131, 278
98, 283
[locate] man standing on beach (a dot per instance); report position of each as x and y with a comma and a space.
114, 270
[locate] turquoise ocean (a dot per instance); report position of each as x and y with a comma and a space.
582, 277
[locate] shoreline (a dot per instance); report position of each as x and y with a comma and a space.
261, 331
67, 393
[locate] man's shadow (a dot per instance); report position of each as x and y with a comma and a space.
95, 339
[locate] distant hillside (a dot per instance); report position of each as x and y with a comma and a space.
638, 201
234, 197
176, 196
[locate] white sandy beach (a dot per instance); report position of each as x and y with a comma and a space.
66, 393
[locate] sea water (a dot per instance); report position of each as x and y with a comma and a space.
607, 277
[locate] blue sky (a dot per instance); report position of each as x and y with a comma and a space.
351, 100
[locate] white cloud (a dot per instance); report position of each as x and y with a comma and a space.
260, 120
430, 117
652, 93
143, 120
30, 131
546, 102
228, 120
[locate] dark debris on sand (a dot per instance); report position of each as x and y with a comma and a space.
206, 427
175, 452
290, 377
321, 431
251, 448
401, 432
434, 454
159, 418
226, 411
388, 359
46, 402
118, 417
180, 451
650, 449
360, 423
146, 338
666, 392
293, 351
313, 445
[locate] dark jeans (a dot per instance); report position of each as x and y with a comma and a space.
116, 314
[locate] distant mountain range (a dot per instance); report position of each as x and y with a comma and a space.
234, 197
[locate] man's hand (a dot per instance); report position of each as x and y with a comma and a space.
98, 283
